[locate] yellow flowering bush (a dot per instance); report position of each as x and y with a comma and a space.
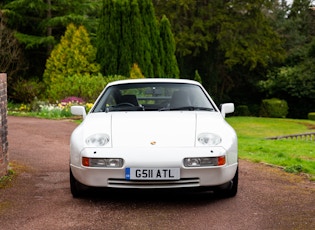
24, 108
88, 106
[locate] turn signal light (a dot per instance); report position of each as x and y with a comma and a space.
204, 161
102, 162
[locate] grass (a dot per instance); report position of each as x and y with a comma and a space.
294, 156
14, 170
5, 180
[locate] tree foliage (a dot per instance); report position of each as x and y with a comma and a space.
73, 56
218, 37
11, 55
295, 80
135, 72
39, 24
152, 42
234, 45
247, 38
168, 58
128, 33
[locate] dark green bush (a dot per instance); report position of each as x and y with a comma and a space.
274, 108
254, 110
311, 116
242, 110
26, 91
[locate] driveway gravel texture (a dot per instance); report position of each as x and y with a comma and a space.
39, 197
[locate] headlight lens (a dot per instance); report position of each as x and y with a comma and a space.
209, 139
97, 140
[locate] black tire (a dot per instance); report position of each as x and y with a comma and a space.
231, 191
77, 189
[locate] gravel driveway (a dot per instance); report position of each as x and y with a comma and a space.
40, 198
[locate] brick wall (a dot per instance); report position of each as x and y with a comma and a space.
3, 125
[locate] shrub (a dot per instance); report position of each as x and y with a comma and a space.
135, 72
311, 116
73, 58
85, 86
254, 109
27, 90
36, 105
274, 108
72, 99
242, 110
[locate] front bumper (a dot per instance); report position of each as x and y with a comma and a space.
154, 158
192, 177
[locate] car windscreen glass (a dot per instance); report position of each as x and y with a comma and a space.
153, 97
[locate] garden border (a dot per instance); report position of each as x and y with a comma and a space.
302, 136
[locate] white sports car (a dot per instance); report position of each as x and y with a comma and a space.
154, 133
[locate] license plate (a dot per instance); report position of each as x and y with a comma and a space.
152, 173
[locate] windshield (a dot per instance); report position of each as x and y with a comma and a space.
153, 97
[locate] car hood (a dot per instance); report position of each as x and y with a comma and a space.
149, 129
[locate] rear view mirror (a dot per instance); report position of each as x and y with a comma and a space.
78, 111
227, 108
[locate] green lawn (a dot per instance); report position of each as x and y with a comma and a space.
293, 155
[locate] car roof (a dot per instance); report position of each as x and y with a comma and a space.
153, 80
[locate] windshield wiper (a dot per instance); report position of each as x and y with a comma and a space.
123, 107
188, 108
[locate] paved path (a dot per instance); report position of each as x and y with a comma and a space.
40, 197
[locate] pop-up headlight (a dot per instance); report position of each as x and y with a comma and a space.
97, 140
209, 139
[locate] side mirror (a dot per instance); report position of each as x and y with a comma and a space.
227, 108
78, 111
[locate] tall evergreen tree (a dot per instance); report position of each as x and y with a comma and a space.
138, 41
169, 62
128, 34
151, 31
124, 55
106, 49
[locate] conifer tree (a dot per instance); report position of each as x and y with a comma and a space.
106, 49
169, 62
128, 33
140, 43
125, 57
73, 56
151, 32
